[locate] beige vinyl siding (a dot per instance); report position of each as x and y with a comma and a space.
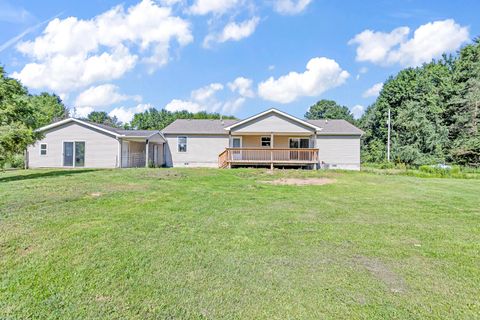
272, 123
202, 150
101, 149
254, 141
339, 152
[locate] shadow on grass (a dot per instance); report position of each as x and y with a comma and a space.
48, 174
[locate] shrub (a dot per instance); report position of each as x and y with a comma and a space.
17, 161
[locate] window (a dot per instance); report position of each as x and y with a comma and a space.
182, 144
237, 142
43, 149
296, 143
266, 141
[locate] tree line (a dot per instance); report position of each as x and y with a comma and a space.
21, 113
435, 113
434, 108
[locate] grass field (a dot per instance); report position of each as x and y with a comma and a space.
221, 244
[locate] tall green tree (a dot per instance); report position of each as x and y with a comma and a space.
329, 109
154, 119
18, 118
434, 111
102, 117
465, 107
50, 108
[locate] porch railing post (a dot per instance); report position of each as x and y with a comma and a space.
271, 150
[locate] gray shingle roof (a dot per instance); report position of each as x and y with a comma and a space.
335, 126
198, 126
207, 126
130, 133
137, 133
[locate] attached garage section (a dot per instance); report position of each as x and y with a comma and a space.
73, 145
339, 152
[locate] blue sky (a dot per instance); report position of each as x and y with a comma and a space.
232, 56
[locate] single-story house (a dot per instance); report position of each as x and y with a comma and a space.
272, 138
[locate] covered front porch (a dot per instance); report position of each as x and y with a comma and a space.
142, 151
271, 150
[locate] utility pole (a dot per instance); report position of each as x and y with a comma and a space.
388, 138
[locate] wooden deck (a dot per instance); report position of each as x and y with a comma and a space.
267, 156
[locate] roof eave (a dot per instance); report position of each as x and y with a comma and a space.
64, 121
275, 111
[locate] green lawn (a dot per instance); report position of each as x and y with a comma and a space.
220, 244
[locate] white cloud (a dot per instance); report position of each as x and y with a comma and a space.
233, 32
362, 70
73, 53
202, 99
82, 112
375, 46
243, 86
290, 6
429, 41
231, 106
357, 111
64, 74
205, 99
205, 93
101, 96
170, 3
125, 115
179, 105
321, 74
373, 91
271, 67
202, 7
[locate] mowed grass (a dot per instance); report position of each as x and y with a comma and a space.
221, 244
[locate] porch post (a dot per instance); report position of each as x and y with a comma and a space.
119, 153
147, 146
271, 150
315, 166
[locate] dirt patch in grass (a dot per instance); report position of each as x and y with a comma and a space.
101, 298
301, 182
379, 270
163, 174
25, 250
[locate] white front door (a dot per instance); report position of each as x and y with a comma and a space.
237, 143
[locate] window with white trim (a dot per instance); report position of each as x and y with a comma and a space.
43, 149
266, 141
182, 144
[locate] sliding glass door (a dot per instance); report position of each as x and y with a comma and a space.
79, 154
74, 154
68, 154
297, 143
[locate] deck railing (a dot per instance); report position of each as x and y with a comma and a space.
267, 156
222, 159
